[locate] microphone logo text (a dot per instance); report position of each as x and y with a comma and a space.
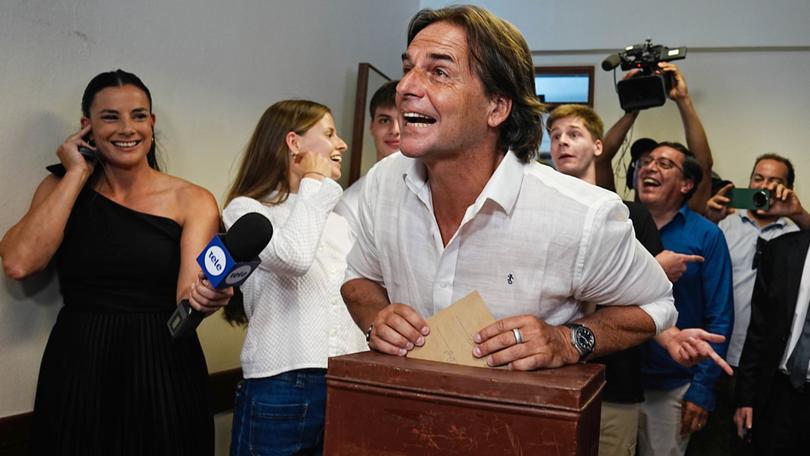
215, 260
238, 274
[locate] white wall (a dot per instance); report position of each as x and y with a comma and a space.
746, 110
213, 68
596, 24
752, 96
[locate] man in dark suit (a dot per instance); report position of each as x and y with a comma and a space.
773, 389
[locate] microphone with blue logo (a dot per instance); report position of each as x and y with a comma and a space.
226, 261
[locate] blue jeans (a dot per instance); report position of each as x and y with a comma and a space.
280, 415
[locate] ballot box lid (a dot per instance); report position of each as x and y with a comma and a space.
569, 388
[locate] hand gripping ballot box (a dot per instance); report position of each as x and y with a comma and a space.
387, 405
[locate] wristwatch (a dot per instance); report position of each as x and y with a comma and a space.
368, 332
582, 339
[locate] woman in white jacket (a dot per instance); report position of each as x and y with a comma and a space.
295, 315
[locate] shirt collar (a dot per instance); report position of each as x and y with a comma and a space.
679, 216
683, 210
415, 178
781, 222
502, 188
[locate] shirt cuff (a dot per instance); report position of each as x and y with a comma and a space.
700, 395
328, 191
662, 312
351, 275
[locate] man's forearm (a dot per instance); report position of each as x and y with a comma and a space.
698, 143
618, 327
364, 299
696, 138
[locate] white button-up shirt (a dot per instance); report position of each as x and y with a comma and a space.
534, 242
297, 318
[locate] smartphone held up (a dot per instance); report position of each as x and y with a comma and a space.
750, 198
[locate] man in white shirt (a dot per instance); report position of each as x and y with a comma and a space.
465, 208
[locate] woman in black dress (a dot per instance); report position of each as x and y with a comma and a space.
123, 237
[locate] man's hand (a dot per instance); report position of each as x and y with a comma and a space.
691, 346
630, 74
398, 328
693, 417
785, 203
543, 345
679, 89
674, 264
717, 206
744, 419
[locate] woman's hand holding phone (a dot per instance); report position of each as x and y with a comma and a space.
76, 152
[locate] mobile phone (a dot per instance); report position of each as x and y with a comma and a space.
87, 152
750, 198
59, 170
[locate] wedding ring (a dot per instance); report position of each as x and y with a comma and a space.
518, 336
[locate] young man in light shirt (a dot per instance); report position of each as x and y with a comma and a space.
384, 130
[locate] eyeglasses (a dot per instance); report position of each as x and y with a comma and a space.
660, 162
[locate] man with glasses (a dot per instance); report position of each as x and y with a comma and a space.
693, 130
746, 232
677, 399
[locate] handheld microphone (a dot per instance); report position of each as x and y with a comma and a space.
226, 261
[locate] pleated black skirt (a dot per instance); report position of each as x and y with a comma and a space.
112, 380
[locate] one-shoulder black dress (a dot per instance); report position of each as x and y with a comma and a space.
112, 380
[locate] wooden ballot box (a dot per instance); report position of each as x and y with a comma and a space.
387, 405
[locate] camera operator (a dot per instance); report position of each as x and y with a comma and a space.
696, 139
746, 232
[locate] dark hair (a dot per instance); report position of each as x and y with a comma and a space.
499, 56
791, 173
265, 165
384, 97
118, 78
691, 167
641, 146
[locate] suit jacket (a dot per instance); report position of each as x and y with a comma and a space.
772, 306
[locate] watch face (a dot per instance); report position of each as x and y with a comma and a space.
585, 339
